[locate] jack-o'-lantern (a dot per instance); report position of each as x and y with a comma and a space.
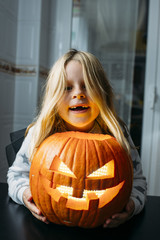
80, 179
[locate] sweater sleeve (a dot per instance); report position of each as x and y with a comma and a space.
18, 173
139, 188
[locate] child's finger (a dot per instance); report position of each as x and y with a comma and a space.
41, 218
116, 220
107, 222
32, 207
110, 223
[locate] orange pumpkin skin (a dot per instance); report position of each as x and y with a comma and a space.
80, 179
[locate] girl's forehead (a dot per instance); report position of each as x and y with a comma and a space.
72, 64
74, 70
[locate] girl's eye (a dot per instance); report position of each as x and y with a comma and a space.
83, 87
68, 88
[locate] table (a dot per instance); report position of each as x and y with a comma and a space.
17, 223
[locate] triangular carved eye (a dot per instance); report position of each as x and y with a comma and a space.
60, 167
107, 171
64, 170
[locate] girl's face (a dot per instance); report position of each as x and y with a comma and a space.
76, 108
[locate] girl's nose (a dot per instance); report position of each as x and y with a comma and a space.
78, 94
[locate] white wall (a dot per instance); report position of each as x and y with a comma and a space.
27, 59
34, 33
8, 43
151, 118
56, 16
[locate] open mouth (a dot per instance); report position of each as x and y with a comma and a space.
79, 108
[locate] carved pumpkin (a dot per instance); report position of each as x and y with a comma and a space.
80, 179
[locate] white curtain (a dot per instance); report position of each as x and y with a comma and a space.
117, 25
117, 19
107, 28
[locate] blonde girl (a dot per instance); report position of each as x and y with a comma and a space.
98, 88
78, 97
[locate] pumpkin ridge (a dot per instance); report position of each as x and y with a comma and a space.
101, 160
46, 207
39, 201
120, 152
85, 163
74, 160
70, 212
98, 160
64, 150
82, 213
64, 145
84, 216
38, 195
40, 205
82, 167
114, 156
128, 165
89, 164
58, 218
71, 163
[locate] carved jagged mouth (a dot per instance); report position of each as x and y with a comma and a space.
102, 197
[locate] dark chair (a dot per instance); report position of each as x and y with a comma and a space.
16, 142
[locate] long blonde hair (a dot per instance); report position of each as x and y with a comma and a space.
98, 88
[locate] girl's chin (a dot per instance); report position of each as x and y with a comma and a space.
81, 127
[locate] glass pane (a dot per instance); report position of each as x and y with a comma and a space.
113, 30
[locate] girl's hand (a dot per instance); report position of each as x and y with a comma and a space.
122, 217
28, 201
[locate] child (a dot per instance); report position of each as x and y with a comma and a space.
78, 97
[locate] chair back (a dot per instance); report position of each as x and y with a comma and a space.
16, 138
